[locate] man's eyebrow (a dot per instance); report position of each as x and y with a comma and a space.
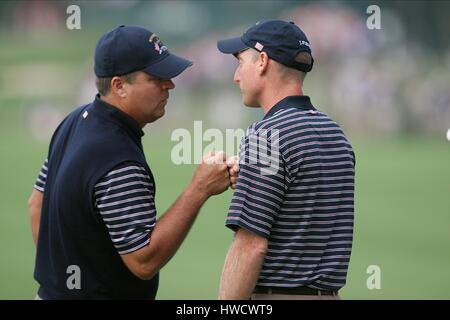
150, 77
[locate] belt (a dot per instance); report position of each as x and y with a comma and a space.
295, 290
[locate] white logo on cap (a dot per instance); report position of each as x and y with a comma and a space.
159, 48
259, 46
304, 43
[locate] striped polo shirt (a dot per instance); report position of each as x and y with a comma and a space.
124, 198
296, 188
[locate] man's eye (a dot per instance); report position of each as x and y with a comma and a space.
155, 80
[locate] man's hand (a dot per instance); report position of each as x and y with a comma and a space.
233, 170
211, 176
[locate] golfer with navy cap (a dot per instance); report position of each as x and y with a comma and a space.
93, 209
292, 211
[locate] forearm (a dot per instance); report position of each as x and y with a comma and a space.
34, 208
242, 266
173, 227
210, 178
169, 232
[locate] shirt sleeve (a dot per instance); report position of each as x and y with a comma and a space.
42, 177
125, 200
260, 188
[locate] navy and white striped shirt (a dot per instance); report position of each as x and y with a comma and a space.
124, 198
299, 194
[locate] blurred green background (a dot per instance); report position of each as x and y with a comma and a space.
388, 88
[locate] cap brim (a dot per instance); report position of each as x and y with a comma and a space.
233, 45
169, 67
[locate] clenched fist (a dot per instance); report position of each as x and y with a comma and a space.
233, 170
212, 176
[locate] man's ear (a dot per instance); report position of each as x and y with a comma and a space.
263, 62
117, 87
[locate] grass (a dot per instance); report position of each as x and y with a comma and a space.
401, 222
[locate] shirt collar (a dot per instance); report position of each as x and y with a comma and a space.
118, 116
299, 102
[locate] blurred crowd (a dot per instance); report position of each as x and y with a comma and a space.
374, 82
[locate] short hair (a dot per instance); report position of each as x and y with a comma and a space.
103, 84
255, 54
306, 58
302, 57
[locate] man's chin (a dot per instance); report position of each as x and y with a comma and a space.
157, 116
251, 105
161, 113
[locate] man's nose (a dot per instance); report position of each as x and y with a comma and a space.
168, 85
237, 77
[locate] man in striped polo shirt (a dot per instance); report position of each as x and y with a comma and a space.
292, 211
93, 209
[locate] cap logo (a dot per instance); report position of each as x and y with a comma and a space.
259, 46
304, 43
157, 43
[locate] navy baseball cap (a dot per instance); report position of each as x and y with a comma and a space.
281, 40
128, 49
